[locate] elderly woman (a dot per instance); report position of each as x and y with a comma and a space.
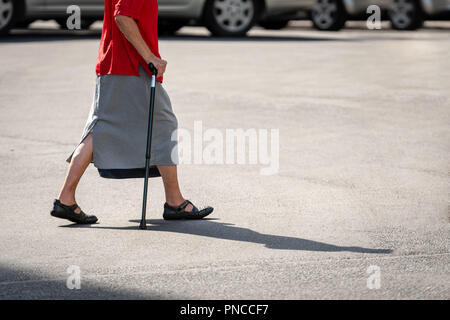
114, 137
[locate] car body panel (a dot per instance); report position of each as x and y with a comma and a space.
356, 7
34, 7
88, 7
190, 9
431, 7
167, 8
284, 5
435, 6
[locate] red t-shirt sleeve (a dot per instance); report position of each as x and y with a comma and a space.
130, 8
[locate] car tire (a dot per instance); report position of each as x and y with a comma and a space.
8, 15
230, 18
406, 15
329, 15
169, 27
274, 24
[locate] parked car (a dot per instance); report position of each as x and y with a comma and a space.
403, 14
221, 17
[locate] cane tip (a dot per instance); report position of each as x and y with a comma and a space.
143, 226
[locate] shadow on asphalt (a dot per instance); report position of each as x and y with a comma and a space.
247, 39
34, 35
20, 283
228, 231
37, 35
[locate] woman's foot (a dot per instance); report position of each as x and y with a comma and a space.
66, 198
186, 210
69, 212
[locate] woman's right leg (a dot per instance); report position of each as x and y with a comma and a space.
81, 159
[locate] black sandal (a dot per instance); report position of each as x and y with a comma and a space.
179, 212
68, 212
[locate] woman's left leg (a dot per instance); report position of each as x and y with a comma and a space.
176, 207
172, 189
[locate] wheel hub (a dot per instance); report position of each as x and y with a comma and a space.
324, 13
402, 11
233, 15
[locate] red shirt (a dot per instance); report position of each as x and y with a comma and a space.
116, 54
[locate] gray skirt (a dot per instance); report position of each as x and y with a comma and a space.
118, 121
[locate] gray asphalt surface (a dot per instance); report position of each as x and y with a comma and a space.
363, 181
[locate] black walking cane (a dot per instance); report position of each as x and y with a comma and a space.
154, 72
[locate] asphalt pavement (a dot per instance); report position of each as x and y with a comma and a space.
358, 208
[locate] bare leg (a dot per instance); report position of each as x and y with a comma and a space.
80, 161
171, 187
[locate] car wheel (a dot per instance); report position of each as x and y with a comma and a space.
230, 18
7, 12
169, 27
274, 24
329, 15
406, 15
